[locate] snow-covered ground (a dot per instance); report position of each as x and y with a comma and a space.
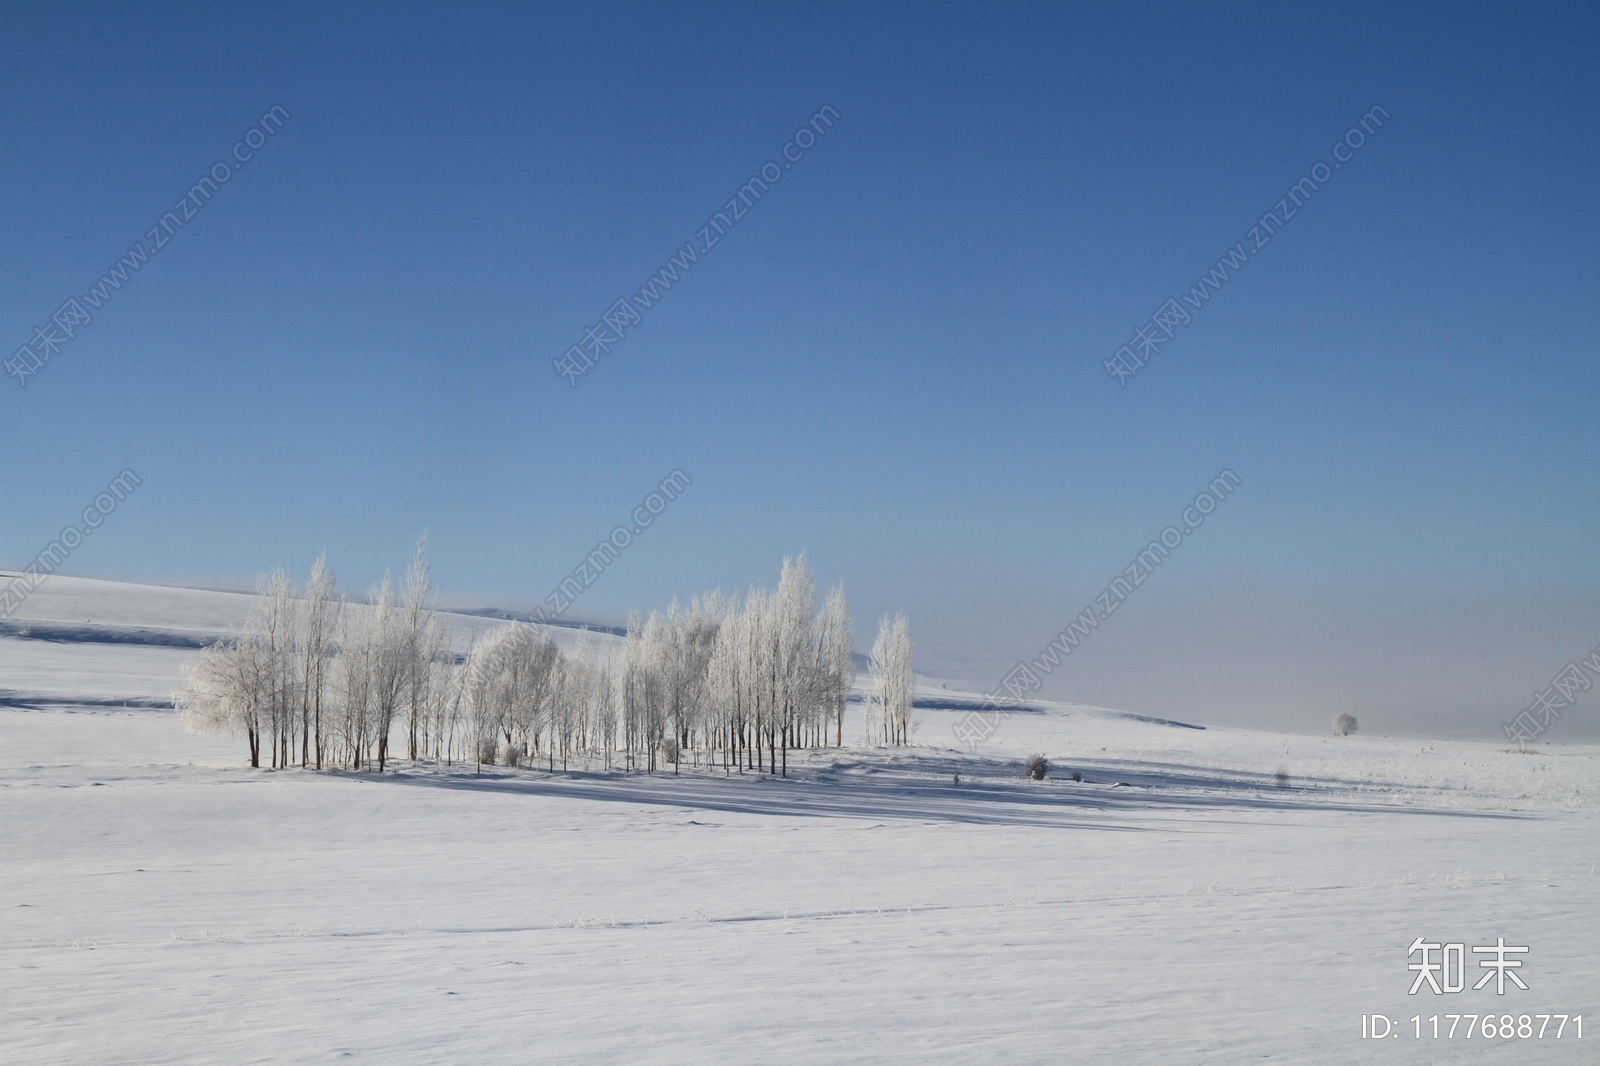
1201, 895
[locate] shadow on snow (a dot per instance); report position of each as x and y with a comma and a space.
921, 788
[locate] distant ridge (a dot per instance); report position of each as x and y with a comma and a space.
69, 633
516, 616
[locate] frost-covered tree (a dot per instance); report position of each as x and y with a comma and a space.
436, 689
679, 647
492, 689
668, 644
760, 670
747, 680
353, 669
484, 711
580, 695
837, 657
776, 675
390, 666
273, 629
1343, 724
894, 682
728, 685
224, 693
450, 694
797, 693
605, 708
512, 685
535, 689
320, 621
650, 699
418, 646
251, 684
310, 671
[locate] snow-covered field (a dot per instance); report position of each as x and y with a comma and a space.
1182, 903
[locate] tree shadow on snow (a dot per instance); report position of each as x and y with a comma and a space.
920, 787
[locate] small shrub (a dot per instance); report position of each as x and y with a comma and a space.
669, 751
513, 755
486, 752
1343, 724
1283, 778
1036, 767
1077, 775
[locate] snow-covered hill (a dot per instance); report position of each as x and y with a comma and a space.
1168, 894
114, 640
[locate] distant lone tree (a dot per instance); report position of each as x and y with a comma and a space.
1343, 724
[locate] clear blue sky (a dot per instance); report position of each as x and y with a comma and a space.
894, 361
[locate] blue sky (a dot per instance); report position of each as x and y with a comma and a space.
893, 361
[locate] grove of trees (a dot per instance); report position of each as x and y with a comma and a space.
317, 680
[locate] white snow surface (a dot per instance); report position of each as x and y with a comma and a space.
1181, 903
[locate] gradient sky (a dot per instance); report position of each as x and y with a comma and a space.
893, 362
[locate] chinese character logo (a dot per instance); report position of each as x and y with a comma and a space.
1449, 973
